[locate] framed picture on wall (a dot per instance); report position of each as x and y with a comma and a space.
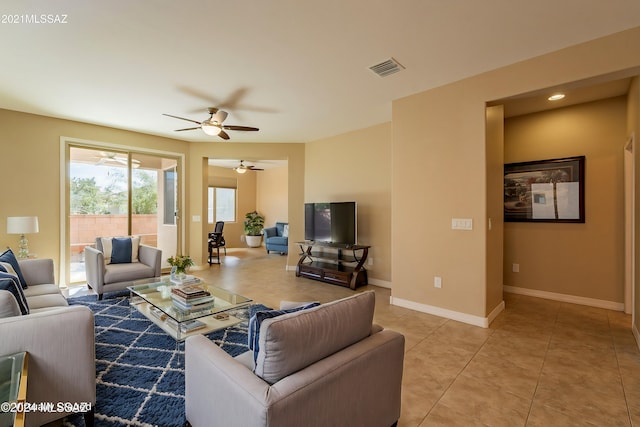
545, 191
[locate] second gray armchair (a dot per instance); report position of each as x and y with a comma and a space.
118, 272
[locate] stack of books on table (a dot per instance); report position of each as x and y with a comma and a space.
188, 326
191, 298
187, 280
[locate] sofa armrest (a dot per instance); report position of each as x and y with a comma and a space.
94, 268
37, 271
61, 351
8, 305
152, 257
214, 377
270, 232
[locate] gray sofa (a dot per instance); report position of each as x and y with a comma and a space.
59, 340
105, 277
323, 366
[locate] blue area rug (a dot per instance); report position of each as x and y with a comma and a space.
139, 369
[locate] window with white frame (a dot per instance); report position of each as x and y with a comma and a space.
222, 204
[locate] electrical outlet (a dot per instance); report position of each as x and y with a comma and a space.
516, 268
437, 282
370, 261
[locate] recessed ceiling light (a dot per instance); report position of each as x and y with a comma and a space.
556, 97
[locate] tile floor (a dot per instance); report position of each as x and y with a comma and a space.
541, 363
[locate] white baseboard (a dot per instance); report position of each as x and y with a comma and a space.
591, 302
470, 319
381, 283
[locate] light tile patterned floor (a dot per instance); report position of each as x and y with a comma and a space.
541, 363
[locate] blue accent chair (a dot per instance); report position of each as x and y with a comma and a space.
277, 238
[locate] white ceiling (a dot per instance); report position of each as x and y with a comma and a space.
298, 70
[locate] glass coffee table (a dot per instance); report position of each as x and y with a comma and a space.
187, 309
13, 388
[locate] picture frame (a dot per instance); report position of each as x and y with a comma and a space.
545, 191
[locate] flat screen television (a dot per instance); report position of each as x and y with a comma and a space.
333, 222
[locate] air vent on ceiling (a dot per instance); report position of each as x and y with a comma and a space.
387, 67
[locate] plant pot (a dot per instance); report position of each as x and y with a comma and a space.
253, 241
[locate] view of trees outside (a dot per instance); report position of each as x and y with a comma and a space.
109, 196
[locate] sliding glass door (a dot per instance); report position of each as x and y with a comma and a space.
120, 193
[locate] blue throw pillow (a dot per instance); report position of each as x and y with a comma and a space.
8, 256
260, 316
9, 282
121, 250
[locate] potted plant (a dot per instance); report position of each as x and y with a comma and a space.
179, 264
253, 225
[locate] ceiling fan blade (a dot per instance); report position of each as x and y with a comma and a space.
181, 118
243, 128
180, 130
220, 116
223, 135
255, 169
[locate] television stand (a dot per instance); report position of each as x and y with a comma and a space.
338, 264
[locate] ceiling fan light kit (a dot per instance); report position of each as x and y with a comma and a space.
213, 125
210, 128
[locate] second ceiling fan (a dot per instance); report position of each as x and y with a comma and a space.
213, 125
242, 168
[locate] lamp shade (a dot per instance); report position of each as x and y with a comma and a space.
22, 224
210, 127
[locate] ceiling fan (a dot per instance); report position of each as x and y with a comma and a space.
106, 157
242, 168
213, 125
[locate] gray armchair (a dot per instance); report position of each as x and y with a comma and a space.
103, 277
322, 366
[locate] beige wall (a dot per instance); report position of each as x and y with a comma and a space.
439, 172
31, 168
633, 128
272, 195
355, 167
245, 202
495, 225
197, 165
585, 260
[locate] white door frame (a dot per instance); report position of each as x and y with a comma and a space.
65, 143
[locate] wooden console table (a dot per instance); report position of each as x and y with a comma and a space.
338, 264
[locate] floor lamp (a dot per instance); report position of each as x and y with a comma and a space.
22, 225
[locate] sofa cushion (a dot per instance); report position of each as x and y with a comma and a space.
9, 257
256, 321
9, 282
278, 241
285, 231
105, 245
47, 289
46, 301
291, 342
120, 250
115, 273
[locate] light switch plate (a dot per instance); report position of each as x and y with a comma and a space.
461, 224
